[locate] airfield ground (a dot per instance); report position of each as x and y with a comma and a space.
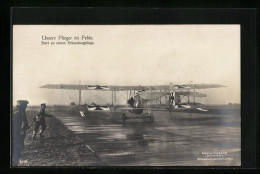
101, 139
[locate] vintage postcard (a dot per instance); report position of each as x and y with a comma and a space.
126, 95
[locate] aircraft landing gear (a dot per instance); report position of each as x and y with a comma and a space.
128, 115
123, 118
151, 117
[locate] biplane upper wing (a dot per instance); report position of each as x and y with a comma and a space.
200, 86
124, 88
100, 87
140, 88
65, 86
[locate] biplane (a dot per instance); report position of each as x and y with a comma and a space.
140, 97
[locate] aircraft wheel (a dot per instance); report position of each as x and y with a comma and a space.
151, 117
123, 117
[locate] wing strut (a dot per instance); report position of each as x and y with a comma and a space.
160, 99
115, 96
188, 96
112, 98
194, 97
79, 96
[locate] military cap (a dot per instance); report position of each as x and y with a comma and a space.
22, 102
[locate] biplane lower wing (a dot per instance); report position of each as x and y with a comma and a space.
182, 106
191, 94
150, 109
152, 95
156, 95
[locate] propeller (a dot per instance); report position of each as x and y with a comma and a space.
98, 87
172, 97
172, 94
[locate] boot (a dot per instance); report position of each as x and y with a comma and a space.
41, 134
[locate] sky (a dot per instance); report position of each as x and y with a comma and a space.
125, 55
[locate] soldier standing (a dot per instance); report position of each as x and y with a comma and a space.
39, 120
20, 126
131, 102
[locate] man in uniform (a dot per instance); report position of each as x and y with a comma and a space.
39, 120
131, 102
20, 126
